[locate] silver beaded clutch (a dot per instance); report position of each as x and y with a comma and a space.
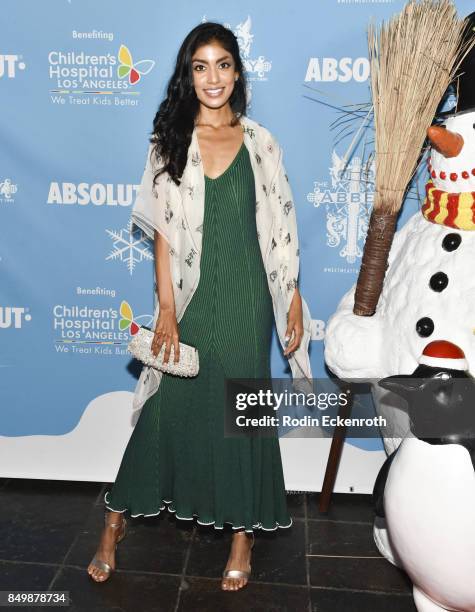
141, 347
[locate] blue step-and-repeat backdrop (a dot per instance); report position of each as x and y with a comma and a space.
80, 82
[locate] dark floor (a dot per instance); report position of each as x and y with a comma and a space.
49, 531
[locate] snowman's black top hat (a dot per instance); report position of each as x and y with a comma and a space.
464, 83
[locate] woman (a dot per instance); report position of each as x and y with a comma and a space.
217, 204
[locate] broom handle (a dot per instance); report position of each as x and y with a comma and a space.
382, 226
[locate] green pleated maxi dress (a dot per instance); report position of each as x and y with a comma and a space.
178, 456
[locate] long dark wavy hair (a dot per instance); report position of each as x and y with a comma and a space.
174, 121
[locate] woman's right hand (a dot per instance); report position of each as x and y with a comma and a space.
166, 332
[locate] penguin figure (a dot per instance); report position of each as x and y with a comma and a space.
424, 494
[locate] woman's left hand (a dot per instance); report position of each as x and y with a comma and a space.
294, 329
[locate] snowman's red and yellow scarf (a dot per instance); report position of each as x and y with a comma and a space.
449, 209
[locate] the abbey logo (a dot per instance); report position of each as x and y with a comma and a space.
95, 194
256, 67
14, 316
331, 69
347, 199
7, 190
129, 246
113, 75
10, 65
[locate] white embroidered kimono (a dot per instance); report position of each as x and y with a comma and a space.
177, 213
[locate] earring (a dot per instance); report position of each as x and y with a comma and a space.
236, 78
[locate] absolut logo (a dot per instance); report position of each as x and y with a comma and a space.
13, 316
10, 64
344, 69
97, 194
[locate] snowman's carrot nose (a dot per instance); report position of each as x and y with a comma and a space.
448, 143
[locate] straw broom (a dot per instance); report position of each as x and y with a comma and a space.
413, 59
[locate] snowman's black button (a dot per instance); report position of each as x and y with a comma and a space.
439, 281
425, 327
451, 242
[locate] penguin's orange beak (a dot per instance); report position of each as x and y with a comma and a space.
449, 144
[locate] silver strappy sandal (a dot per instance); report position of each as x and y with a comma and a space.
99, 563
232, 573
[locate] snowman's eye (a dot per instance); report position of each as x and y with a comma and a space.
473, 126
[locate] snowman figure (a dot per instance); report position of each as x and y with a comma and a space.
425, 492
429, 287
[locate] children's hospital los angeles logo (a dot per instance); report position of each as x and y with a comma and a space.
346, 199
90, 329
96, 77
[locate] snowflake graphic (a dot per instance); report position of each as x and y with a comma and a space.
131, 247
